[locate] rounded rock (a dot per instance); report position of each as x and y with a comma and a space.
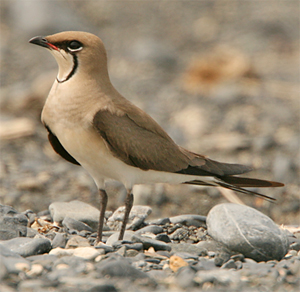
245, 230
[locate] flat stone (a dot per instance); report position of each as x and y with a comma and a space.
189, 220
77, 210
61, 252
12, 224
72, 223
163, 237
105, 247
223, 277
128, 245
12, 262
119, 268
155, 229
88, 253
245, 230
115, 237
160, 221
45, 260
25, 246
148, 242
137, 216
77, 241
186, 247
229, 265
59, 240
187, 255
185, 277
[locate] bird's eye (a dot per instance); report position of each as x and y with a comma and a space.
74, 46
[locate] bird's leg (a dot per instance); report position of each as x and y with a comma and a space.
103, 204
128, 206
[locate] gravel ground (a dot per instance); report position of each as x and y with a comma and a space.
221, 77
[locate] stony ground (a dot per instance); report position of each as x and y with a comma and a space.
222, 78
57, 251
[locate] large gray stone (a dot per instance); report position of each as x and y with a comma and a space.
76, 210
245, 230
25, 246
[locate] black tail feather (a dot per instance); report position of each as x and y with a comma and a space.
250, 182
236, 183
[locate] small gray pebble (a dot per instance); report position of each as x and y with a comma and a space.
71, 223
180, 234
59, 240
160, 221
185, 277
155, 229
148, 242
105, 247
119, 268
189, 220
229, 265
186, 247
163, 237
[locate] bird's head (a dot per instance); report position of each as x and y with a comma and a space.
76, 53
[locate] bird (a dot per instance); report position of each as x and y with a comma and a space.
91, 124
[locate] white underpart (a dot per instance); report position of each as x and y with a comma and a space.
65, 63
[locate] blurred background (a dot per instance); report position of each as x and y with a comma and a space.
221, 77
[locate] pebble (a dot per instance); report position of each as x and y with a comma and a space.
148, 242
155, 229
59, 240
185, 277
228, 278
245, 230
163, 237
11, 262
189, 220
77, 210
160, 221
137, 216
129, 245
115, 237
180, 234
186, 247
77, 241
71, 223
176, 263
88, 253
12, 223
25, 246
114, 267
104, 247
